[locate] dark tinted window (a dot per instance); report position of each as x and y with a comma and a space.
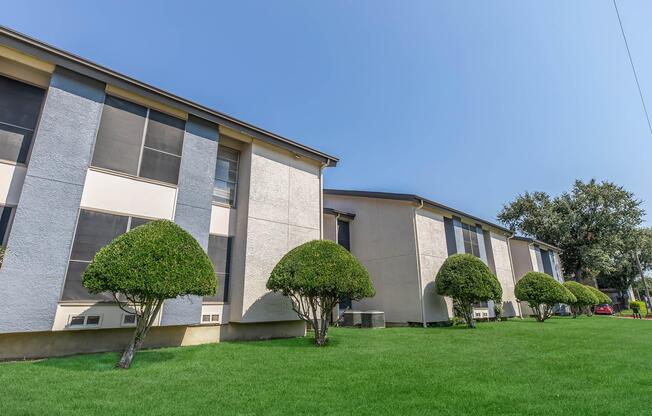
471, 245
94, 231
5, 223
343, 234
20, 105
164, 133
124, 145
160, 166
120, 136
219, 251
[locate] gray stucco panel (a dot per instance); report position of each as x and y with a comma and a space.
193, 209
35, 266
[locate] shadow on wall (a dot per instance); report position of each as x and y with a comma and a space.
436, 306
508, 309
270, 307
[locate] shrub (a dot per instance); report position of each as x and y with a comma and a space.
467, 280
602, 297
584, 297
640, 305
542, 293
145, 266
315, 276
2, 255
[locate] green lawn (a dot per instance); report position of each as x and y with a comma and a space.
587, 366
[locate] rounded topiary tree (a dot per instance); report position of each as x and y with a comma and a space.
145, 266
602, 297
542, 293
315, 276
584, 298
467, 280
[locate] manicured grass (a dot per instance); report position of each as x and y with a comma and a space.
586, 366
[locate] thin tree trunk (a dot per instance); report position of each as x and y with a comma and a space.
143, 324
648, 300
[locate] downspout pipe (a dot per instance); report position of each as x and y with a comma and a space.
418, 258
321, 198
511, 263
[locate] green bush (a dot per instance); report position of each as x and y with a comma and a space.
642, 308
467, 280
601, 296
542, 293
315, 276
144, 267
2, 255
584, 297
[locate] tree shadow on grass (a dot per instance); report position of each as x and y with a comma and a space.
102, 362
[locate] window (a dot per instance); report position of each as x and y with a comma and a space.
20, 105
128, 319
210, 318
219, 251
94, 231
226, 175
470, 234
84, 321
6, 215
343, 234
139, 141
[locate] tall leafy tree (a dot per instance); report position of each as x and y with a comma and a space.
591, 224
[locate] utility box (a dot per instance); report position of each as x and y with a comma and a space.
352, 318
373, 319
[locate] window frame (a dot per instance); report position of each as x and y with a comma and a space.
71, 260
85, 324
4, 239
471, 230
36, 124
143, 139
233, 203
227, 275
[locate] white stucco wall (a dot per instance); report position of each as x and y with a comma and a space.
282, 211
504, 274
432, 254
382, 237
131, 196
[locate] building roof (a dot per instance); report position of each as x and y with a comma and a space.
412, 198
30, 46
332, 211
534, 241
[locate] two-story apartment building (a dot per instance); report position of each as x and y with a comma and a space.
530, 255
87, 154
403, 240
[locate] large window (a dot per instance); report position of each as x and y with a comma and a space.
6, 214
226, 175
471, 245
94, 231
20, 105
219, 250
139, 141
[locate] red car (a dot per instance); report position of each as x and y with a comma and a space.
604, 309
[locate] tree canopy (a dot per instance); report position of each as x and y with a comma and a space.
584, 297
144, 267
591, 224
467, 280
316, 276
542, 293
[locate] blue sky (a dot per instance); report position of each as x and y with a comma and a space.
465, 102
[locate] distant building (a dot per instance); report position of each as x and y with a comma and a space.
403, 240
